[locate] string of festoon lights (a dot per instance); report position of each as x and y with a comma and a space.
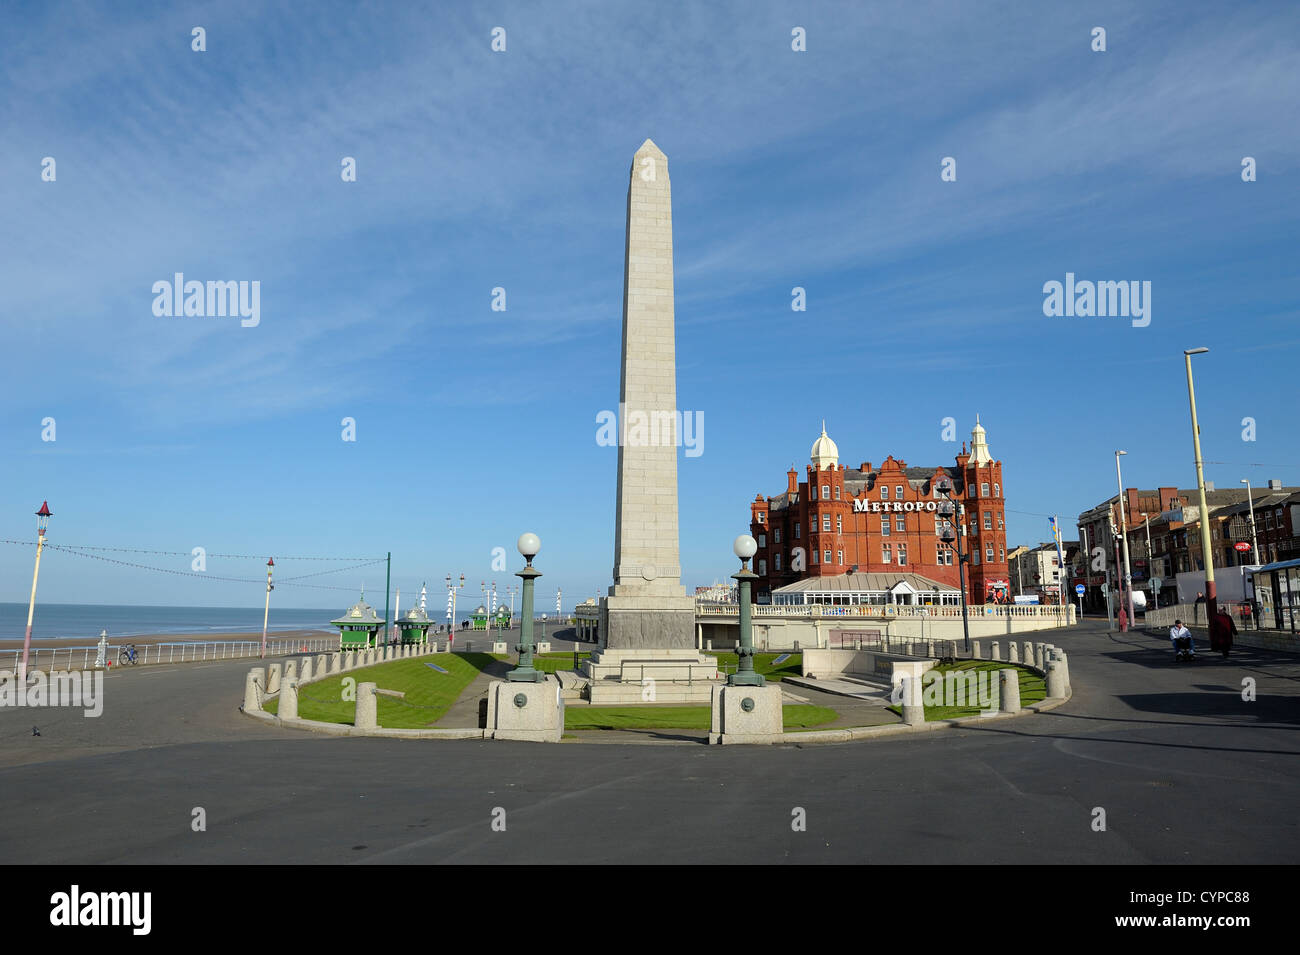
79, 550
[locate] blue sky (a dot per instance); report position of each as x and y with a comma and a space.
477, 169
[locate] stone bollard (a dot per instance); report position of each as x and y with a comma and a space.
320, 668
995, 651
273, 679
253, 689
1040, 656
333, 662
913, 705
1009, 690
290, 670
1013, 652
975, 650
289, 699
1055, 680
1027, 658
1058, 655
367, 717
305, 675
929, 648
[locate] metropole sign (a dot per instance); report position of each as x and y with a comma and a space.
861, 505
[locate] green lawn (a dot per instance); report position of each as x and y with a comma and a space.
550, 662
429, 694
727, 663
794, 716
1032, 689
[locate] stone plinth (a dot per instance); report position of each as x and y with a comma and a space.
746, 714
650, 676
525, 711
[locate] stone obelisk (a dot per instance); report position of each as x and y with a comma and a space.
648, 608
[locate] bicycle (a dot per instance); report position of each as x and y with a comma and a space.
127, 655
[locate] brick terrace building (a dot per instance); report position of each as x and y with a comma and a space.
882, 520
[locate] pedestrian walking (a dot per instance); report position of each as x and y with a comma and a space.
1222, 630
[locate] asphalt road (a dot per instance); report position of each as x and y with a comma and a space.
1186, 771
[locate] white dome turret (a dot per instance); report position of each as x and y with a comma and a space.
824, 452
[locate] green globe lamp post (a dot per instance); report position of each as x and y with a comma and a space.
529, 545
745, 548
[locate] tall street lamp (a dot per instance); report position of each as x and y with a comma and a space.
266, 613
950, 536
529, 545
745, 547
1254, 541
451, 605
1211, 595
42, 522
1123, 531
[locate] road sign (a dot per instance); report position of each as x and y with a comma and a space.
1105, 588
1241, 547
1078, 589
1156, 583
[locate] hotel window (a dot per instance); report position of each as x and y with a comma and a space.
796, 530
999, 522
839, 557
826, 492
884, 527
837, 492
884, 492
898, 492
902, 555
777, 560
776, 535
826, 522
762, 517
812, 490
997, 490
988, 520
900, 524
839, 524
762, 568
988, 553
984, 489
826, 557
762, 540
1002, 556
886, 554
814, 555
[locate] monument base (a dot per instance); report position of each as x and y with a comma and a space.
746, 714
620, 676
637, 621
525, 711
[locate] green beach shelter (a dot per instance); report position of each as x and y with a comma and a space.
359, 626
479, 618
414, 625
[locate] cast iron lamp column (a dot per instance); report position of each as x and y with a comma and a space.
1211, 594
949, 535
42, 522
266, 612
529, 545
745, 548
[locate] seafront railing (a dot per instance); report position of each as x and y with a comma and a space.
73, 658
879, 611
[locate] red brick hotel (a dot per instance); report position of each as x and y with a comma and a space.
870, 535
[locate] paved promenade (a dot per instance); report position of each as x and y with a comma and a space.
1185, 770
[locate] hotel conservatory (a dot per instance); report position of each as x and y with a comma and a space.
851, 590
